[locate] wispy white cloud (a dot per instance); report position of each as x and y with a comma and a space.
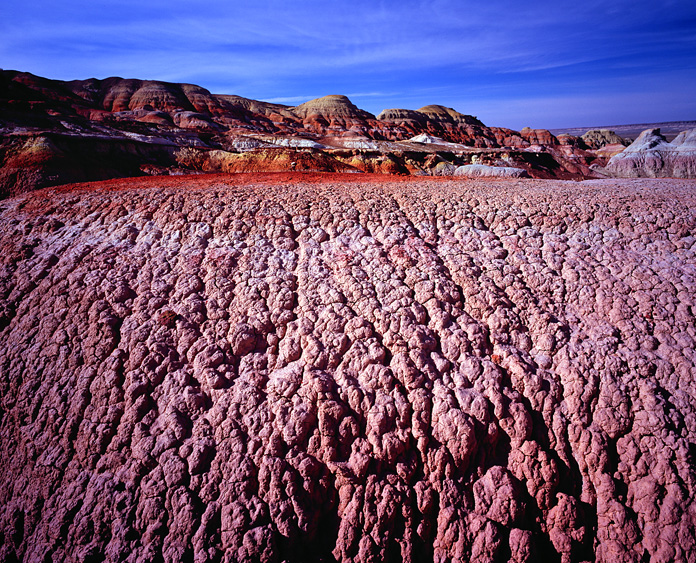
655, 103
359, 95
305, 37
385, 52
289, 99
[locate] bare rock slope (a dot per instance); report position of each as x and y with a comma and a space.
651, 156
599, 138
54, 132
433, 370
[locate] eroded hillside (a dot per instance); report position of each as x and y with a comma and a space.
54, 132
281, 369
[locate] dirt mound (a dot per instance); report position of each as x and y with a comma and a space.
230, 369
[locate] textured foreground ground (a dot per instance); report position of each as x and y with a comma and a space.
291, 370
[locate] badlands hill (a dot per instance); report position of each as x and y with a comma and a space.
54, 132
670, 129
650, 155
298, 368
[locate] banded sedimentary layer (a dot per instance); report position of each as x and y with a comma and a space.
55, 132
203, 370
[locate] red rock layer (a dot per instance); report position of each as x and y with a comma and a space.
140, 117
150, 101
334, 115
316, 371
446, 123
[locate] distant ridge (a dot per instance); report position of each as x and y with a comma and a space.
55, 132
669, 129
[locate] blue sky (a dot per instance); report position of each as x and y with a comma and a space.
512, 63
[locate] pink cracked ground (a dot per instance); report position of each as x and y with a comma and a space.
281, 368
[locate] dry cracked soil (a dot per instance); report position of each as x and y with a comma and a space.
285, 368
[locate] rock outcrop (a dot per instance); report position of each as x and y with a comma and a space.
651, 156
538, 137
266, 369
447, 117
439, 121
600, 138
334, 116
137, 118
607, 151
482, 170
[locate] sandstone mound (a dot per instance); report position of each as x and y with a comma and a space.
118, 94
444, 114
330, 107
419, 118
437, 121
538, 137
650, 155
412, 117
333, 115
570, 140
278, 111
202, 370
685, 141
600, 138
